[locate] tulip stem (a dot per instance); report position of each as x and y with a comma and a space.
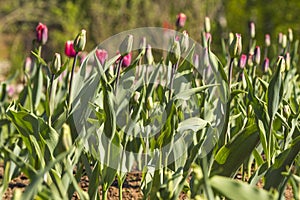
71, 82
118, 75
174, 68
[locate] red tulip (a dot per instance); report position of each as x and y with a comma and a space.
101, 55
69, 49
42, 33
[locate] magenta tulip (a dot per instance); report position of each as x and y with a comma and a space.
69, 49
243, 61
42, 33
126, 60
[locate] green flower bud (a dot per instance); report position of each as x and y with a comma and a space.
286, 111
207, 24
143, 44
126, 45
80, 41
288, 61
235, 48
66, 136
149, 103
56, 63
290, 34
184, 43
284, 40
149, 56
175, 53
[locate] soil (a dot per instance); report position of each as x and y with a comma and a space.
131, 187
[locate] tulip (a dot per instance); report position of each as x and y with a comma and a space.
102, 55
180, 22
207, 24
28, 65
288, 61
42, 33
243, 60
126, 60
80, 41
266, 65
252, 29
256, 56
126, 45
267, 40
235, 48
290, 34
184, 43
149, 56
56, 63
69, 49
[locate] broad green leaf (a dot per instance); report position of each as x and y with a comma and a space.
230, 157
237, 190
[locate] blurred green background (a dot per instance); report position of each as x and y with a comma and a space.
101, 19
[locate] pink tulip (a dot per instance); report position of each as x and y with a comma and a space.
102, 55
69, 49
180, 22
243, 60
126, 60
266, 65
42, 33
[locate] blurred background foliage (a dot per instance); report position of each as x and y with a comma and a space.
101, 19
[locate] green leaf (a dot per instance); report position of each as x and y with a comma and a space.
186, 94
236, 190
274, 177
194, 123
275, 91
230, 157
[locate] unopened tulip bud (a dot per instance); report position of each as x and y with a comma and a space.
290, 34
66, 136
235, 48
256, 56
252, 30
80, 41
28, 65
250, 60
56, 63
230, 38
69, 49
126, 45
149, 56
286, 111
243, 60
42, 33
281, 63
284, 40
126, 60
143, 46
175, 52
207, 24
267, 40
288, 61
266, 65
280, 35
180, 21
184, 43
149, 103
102, 55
